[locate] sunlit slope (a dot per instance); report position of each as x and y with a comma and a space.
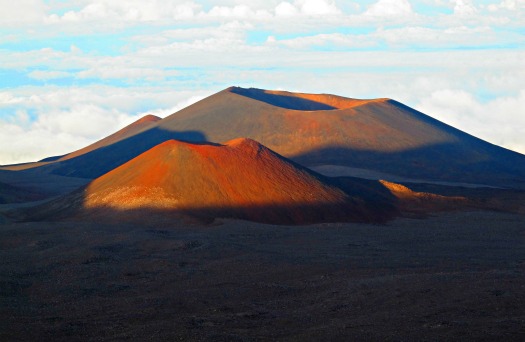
240, 179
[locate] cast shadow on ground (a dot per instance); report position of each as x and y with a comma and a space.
450, 162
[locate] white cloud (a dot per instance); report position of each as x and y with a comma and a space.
48, 75
21, 12
390, 8
448, 37
83, 17
307, 7
117, 14
55, 132
337, 39
500, 121
84, 120
69, 119
409, 36
317, 7
239, 11
464, 8
130, 10
286, 9
509, 5
7, 98
113, 71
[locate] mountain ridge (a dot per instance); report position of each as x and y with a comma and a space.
379, 134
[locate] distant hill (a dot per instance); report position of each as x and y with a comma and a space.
240, 179
320, 130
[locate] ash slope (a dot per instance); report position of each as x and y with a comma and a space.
240, 179
319, 129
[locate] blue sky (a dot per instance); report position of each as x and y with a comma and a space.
74, 71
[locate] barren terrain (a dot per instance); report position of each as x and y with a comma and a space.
453, 276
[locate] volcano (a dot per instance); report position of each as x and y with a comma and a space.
320, 131
240, 179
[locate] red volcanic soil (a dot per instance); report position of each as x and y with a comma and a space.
240, 179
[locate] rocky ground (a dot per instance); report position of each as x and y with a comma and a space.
452, 276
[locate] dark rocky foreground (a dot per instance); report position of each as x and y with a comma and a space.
453, 276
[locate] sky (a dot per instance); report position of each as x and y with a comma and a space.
72, 72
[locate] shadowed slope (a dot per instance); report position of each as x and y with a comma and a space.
124, 133
101, 160
15, 194
240, 179
300, 101
31, 185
